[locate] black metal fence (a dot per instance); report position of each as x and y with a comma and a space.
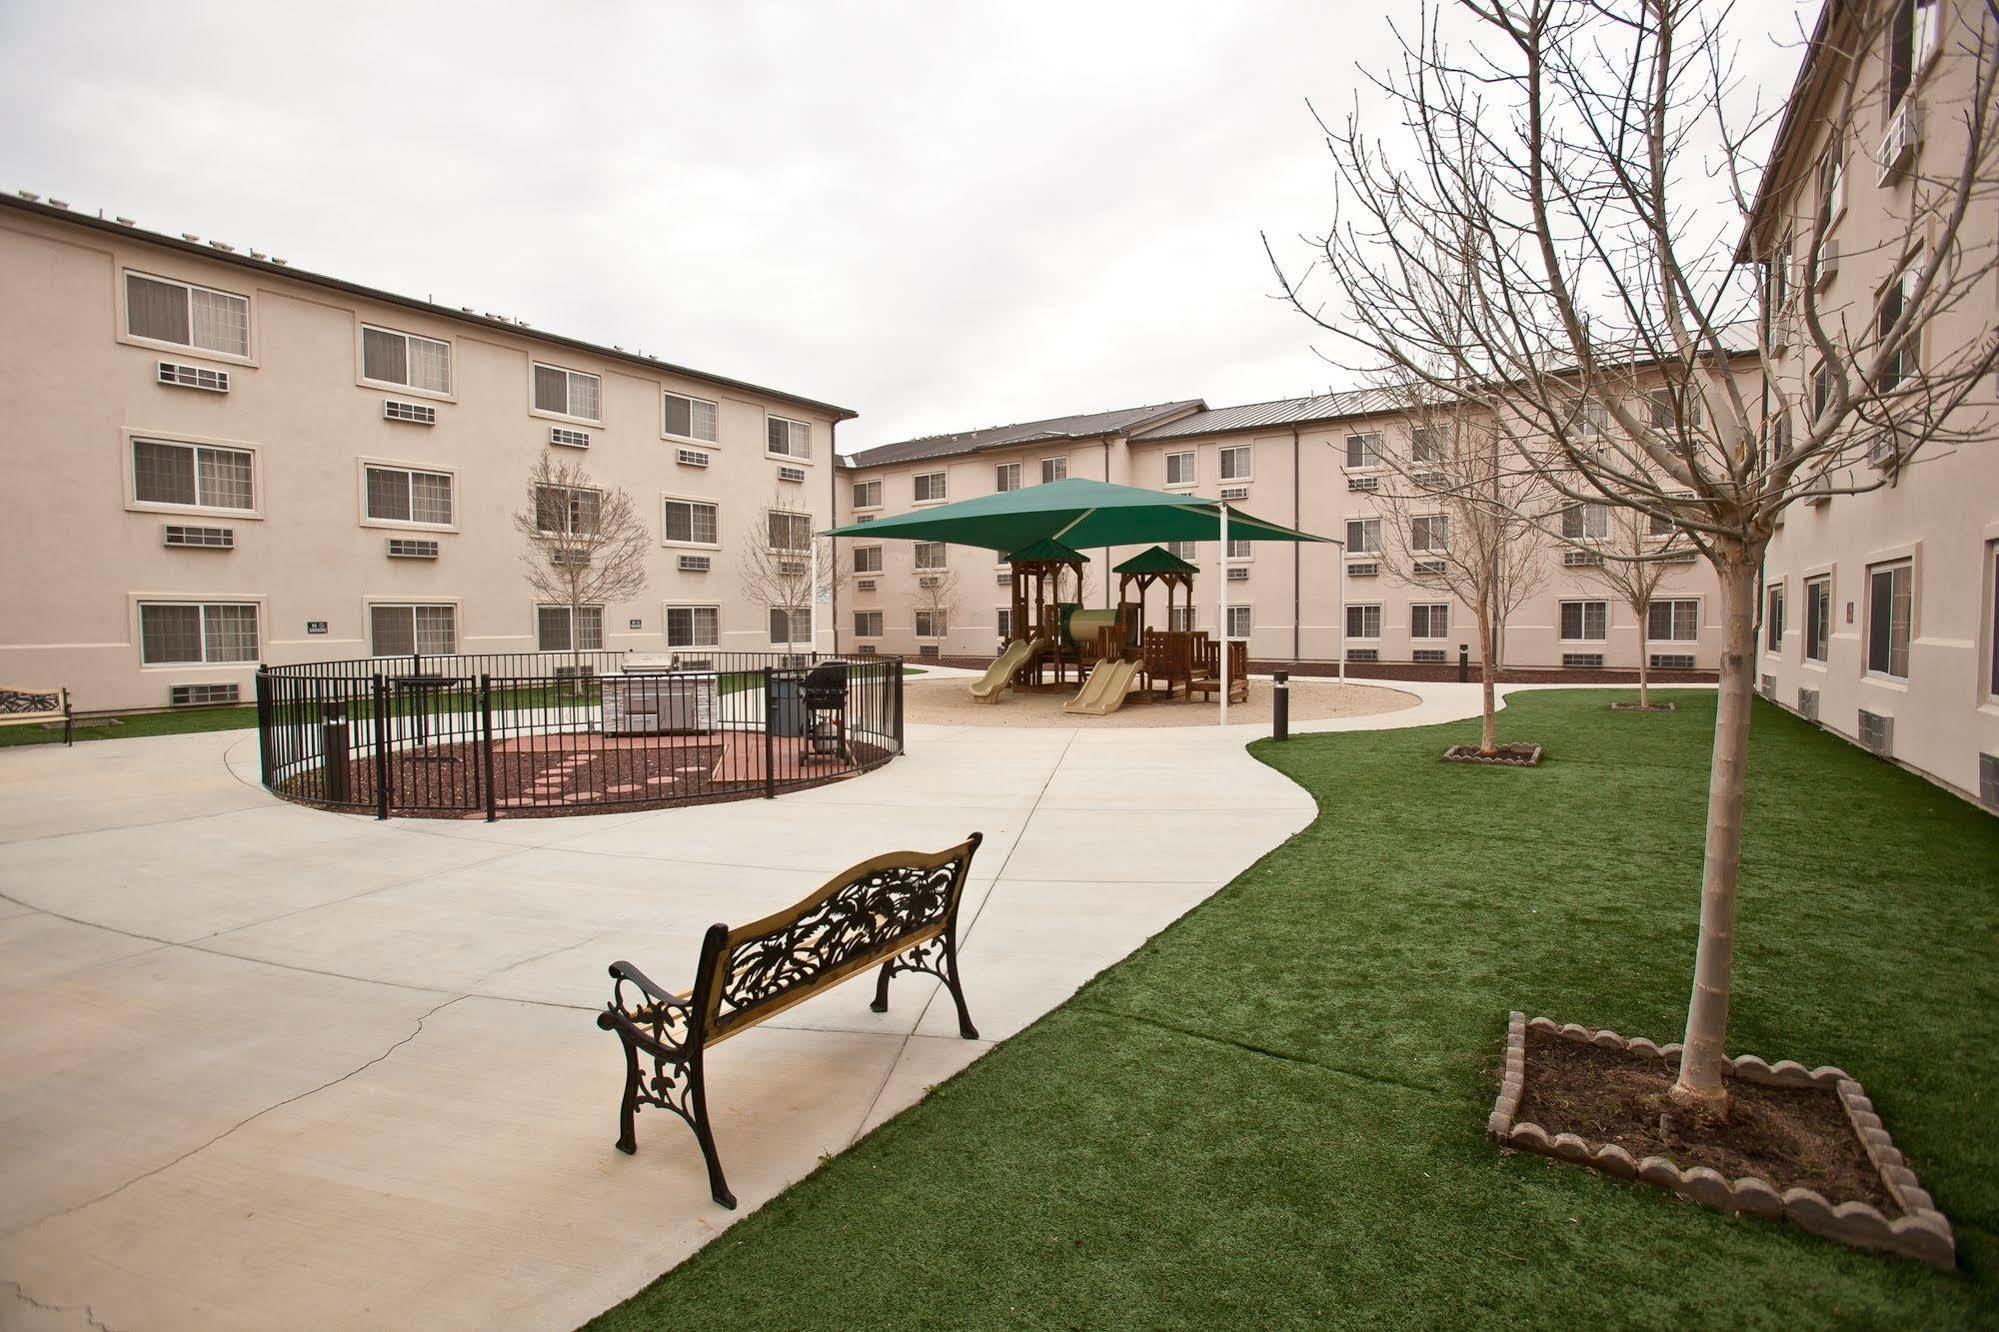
521, 734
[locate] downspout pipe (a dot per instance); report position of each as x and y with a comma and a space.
1298, 552
832, 520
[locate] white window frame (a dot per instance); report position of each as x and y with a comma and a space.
1244, 610
1190, 460
674, 544
568, 527
1006, 478
1186, 550
1675, 637
1430, 520
1902, 564
796, 619
1248, 549
568, 393
666, 624
369, 607
1365, 546
873, 489
714, 409
1561, 620
191, 348
201, 604
1048, 463
940, 623
1809, 584
792, 426
1364, 607
406, 524
942, 492
868, 559
603, 633
1432, 631
792, 516
1245, 453
1583, 511
134, 438
361, 330
943, 556
1003, 621
1370, 451
1774, 626
868, 624
1181, 620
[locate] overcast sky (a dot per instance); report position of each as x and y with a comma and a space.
940, 215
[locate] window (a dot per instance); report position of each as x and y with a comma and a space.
1676, 621
693, 626
867, 559
692, 523
1235, 463
1180, 620
1665, 409
400, 495
1003, 621
1430, 619
790, 530
1363, 536
1773, 618
690, 418
867, 494
1585, 621
161, 310
1006, 477
1818, 618
1777, 442
1832, 190
1180, 469
567, 392
929, 486
1364, 621
930, 624
1894, 299
1426, 445
790, 624
868, 624
929, 555
389, 357
552, 629
1824, 384
1586, 522
786, 438
1239, 622
1364, 450
1054, 469
197, 633
193, 475
1591, 420
1890, 606
562, 511
1777, 280
1238, 550
1432, 532
1912, 40
1182, 550
398, 631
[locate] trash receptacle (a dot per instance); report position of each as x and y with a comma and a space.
785, 708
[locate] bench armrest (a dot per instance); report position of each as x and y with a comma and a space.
656, 1020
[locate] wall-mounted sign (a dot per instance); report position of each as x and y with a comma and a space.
315, 626
637, 624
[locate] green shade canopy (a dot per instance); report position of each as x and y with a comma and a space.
1159, 560
1076, 512
1048, 550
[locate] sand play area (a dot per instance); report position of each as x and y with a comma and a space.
947, 703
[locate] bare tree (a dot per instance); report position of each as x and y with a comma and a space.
775, 562
937, 597
1454, 520
1628, 554
1593, 171
586, 550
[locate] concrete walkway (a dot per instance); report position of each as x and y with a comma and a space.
263, 1065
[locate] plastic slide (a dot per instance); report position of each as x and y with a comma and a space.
988, 687
1104, 692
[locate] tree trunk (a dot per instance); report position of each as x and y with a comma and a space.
1644, 659
1489, 735
1699, 1087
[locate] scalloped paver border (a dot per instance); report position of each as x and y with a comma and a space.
1922, 1233
1495, 761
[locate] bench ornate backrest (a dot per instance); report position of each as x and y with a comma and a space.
859, 919
19, 704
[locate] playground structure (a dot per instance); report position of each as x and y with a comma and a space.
1114, 656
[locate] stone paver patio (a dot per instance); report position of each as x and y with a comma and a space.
264, 1065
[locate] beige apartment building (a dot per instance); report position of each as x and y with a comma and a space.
1881, 610
221, 459
1316, 464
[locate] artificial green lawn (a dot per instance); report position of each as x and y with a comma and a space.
1273, 1114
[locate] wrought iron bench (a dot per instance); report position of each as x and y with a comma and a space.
898, 911
20, 707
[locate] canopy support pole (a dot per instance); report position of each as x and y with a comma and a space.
1222, 625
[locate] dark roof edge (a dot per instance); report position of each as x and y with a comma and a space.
265, 266
1176, 410
1811, 72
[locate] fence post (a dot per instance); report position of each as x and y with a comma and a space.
486, 742
264, 726
381, 747
770, 740
901, 745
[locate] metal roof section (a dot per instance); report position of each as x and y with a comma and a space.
1086, 425
217, 252
1282, 412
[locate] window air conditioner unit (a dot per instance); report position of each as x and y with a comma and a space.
1428, 656
791, 568
1672, 661
1582, 661
1679, 557
1877, 733
1004, 580
1819, 492
864, 585
413, 412
867, 517
563, 557
199, 695
795, 475
1235, 492
694, 664
194, 377
1808, 704
1367, 569
1581, 559
1828, 261
691, 458
1431, 480
695, 563
412, 548
1363, 483
1899, 144
574, 672
931, 581
1426, 568
569, 439
1363, 654
198, 538
1238, 575
867, 649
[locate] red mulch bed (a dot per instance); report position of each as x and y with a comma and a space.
1787, 1136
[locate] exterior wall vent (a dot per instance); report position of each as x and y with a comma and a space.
1363, 654
795, 475
691, 458
1581, 559
565, 557
1988, 780
413, 412
1426, 568
199, 695
1432, 656
695, 563
1582, 661
1808, 704
569, 439
1238, 575
867, 650
1767, 687
194, 377
412, 548
1679, 557
1004, 579
1363, 483
1877, 733
1672, 661
198, 538
1235, 492
1431, 481
1366, 569
927, 650
931, 581
864, 585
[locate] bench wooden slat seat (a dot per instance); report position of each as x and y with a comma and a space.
898, 912
22, 706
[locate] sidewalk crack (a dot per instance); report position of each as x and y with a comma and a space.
89, 1314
